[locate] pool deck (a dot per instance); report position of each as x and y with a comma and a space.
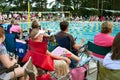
92, 73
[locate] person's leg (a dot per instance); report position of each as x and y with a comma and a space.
18, 73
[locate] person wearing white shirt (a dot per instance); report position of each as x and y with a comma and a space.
112, 59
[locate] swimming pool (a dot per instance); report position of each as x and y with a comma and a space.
78, 29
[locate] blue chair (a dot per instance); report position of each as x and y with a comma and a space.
21, 49
10, 43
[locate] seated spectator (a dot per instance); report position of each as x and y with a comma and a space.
36, 25
112, 59
52, 43
64, 33
16, 29
54, 48
9, 26
7, 62
103, 39
36, 37
61, 68
48, 32
73, 46
4, 25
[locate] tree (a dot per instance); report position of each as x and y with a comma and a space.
41, 5
79, 7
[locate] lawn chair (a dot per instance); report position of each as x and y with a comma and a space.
21, 49
98, 50
10, 43
107, 74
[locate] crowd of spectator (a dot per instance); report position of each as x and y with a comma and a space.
23, 17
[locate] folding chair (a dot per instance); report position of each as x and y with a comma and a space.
98, 50
107, 74
21, 49
10, 43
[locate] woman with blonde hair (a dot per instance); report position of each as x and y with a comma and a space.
103, 38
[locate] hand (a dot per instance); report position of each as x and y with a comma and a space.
67, 60
13, 59
83, 39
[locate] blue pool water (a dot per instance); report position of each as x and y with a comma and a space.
78, 29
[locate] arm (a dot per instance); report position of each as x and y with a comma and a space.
21, 32
59, 57
6, 61
77, 46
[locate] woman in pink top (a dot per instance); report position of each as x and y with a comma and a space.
16, 29
103, 38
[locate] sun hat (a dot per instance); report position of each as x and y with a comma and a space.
40, 32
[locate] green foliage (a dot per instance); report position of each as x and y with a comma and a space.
74, 6
0, 8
